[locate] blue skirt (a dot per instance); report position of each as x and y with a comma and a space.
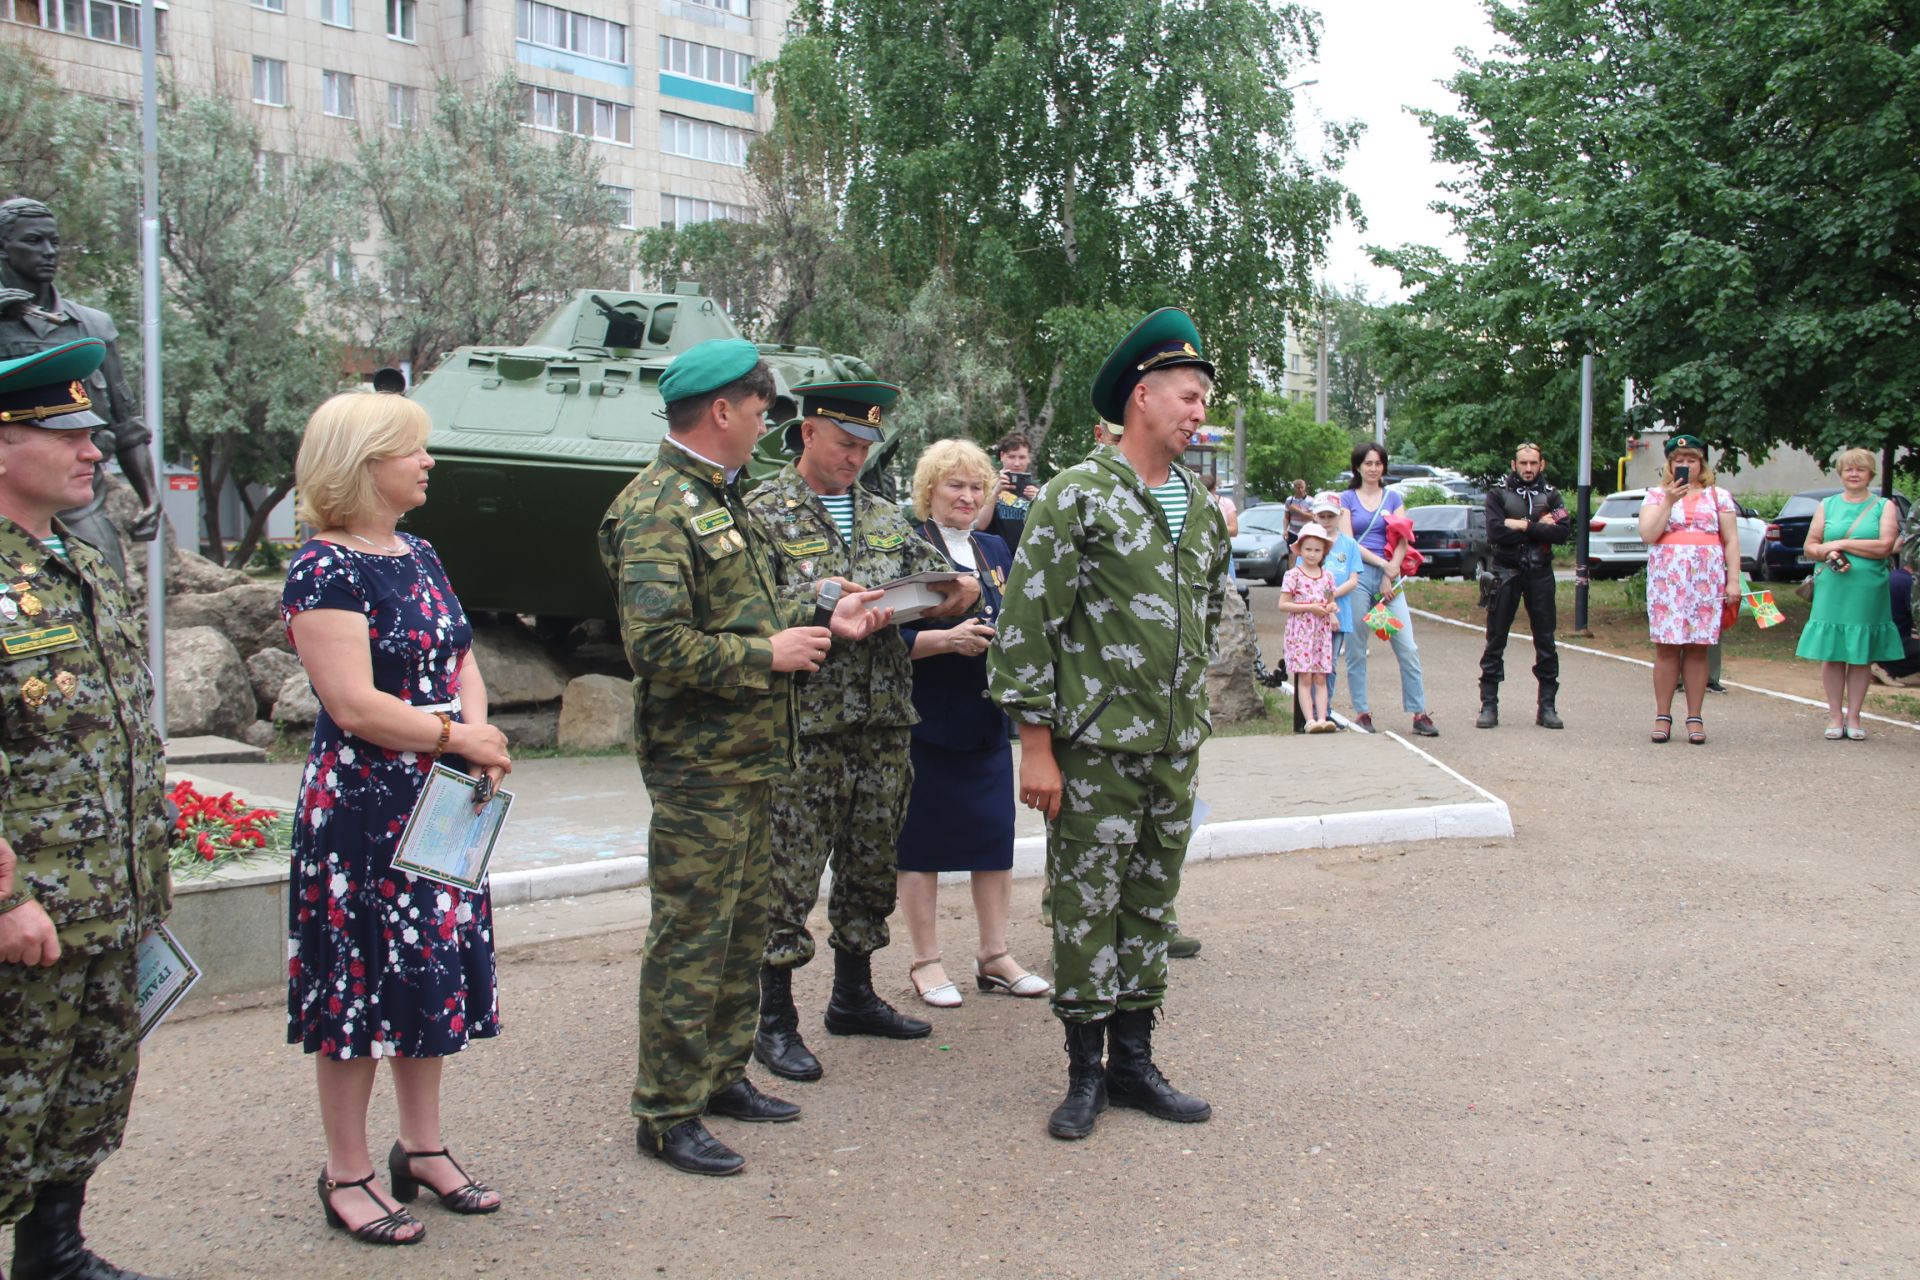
960, 815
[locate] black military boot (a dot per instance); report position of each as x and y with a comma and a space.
47, 1244
1546, 717
1086, 1082
1489, 707
777, 1044
1133, 1080
854, 1010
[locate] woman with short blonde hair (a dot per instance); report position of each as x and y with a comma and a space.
960, 811
1852, 536
383, 964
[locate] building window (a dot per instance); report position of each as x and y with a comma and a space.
622, 204
270, 82
103, 20
269, 169
704, 62
576, 113
703, 140
728, 15
271, 6
543, 24
337, 13
342, 267
403, 106
684, 211
336, 94
400, 18
738, 8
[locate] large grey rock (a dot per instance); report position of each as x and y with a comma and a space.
1230, 685
517, 668
295, 707
189, 574
207, 687
259, 734
596, 713
248, 614
268, 671
534, 727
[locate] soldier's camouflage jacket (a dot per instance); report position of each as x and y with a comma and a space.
864, 683
698, 607
1108, 622
82, 769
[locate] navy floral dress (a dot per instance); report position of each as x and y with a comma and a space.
381, 964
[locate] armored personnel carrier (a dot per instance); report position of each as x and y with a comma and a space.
534, 442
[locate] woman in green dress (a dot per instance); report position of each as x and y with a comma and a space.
1852, 535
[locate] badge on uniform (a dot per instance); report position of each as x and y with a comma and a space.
39, 641
886, 541
34, 691
31, 606
8, 609
712, 521
689, 497
66, 682
805, 547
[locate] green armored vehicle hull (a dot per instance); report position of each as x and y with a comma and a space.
534, 442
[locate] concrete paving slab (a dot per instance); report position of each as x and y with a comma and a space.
208, 749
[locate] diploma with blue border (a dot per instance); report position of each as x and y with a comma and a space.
445, 838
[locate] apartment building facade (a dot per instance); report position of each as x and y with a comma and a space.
660, 87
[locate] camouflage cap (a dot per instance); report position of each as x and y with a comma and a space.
708, 367
48, 388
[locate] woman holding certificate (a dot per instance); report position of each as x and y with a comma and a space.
383, 964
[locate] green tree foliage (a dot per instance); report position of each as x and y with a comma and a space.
1285, 444
1720, 199
80, 157
1066, 167
247, 354
482, 224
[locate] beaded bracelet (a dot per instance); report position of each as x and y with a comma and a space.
446, 732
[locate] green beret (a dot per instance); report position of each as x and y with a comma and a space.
708, 367
1682, 440
1166, 339
855, 407
49, 388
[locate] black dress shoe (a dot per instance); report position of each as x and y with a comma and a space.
688, 1147
854, 1009
741, 1101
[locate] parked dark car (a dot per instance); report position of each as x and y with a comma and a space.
1452, 538
1260, 548
1780, 559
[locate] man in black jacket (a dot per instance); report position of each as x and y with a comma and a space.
1525, 517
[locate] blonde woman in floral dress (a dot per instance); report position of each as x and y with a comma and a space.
1693, 573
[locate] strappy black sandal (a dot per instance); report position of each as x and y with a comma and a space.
1665, 731
1697, 737
469, 1198
384, 1230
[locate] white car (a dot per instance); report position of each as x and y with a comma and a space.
1614, 548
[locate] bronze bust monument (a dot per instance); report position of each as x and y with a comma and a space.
33, 316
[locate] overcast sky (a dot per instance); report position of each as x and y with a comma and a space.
1378, 57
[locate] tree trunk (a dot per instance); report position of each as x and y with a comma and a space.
213, 479
257, 522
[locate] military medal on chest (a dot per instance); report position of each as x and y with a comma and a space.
30, 604
66, 682
33, 691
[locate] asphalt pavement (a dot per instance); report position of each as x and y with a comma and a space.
1667, 1029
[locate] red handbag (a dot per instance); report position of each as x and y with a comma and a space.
1729, 614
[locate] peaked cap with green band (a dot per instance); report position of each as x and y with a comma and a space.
854, 407
704, 369
1166, 339
49, 388
1684, 441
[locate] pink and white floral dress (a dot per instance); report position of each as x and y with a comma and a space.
1687, 570
1308, 644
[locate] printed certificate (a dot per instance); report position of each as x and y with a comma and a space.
445, 840
163, 974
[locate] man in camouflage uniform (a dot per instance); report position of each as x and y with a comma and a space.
1109, 622
35, 315
83, 816
712, 646
847, 796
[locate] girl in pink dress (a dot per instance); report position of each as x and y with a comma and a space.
1308, 597
1693, 572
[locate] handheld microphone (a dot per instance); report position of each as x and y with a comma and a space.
823, 602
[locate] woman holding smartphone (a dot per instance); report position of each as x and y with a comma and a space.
1693, 573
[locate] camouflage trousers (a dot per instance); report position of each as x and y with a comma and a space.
699, 993
1113, 868
844, 804
69, 1051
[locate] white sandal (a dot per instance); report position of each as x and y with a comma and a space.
1027, 986
944, 996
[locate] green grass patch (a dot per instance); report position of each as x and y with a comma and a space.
1279, 718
